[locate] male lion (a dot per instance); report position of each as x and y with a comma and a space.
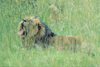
34, 32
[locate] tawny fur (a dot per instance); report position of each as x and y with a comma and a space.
37, 33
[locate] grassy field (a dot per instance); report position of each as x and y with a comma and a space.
77, 17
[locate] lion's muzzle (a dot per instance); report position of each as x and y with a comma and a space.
21, 32
21, 28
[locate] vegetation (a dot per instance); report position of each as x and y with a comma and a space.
77, 17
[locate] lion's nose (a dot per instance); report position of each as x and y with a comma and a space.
22, 22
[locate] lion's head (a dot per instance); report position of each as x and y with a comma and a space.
32, 26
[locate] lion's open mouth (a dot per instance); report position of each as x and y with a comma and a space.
21, 32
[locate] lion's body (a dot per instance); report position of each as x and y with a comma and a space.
36, 32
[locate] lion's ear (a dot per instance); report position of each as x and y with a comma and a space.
41, 28
39, 24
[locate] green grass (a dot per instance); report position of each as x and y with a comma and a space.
78, 17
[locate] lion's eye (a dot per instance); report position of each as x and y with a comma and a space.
24, 20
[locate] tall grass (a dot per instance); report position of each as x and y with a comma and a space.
78, 17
